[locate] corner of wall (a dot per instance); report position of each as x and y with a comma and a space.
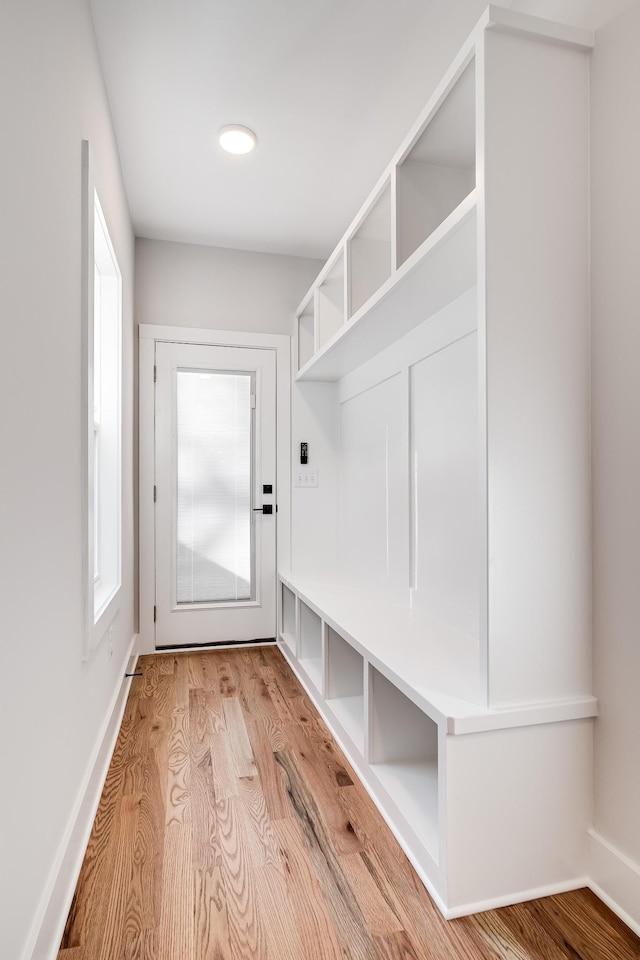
615, 879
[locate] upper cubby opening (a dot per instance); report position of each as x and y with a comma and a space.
306, 334
439, 170
370, 252
331, 305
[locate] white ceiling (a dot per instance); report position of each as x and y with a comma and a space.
329, 86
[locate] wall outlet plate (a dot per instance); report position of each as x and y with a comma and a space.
305, 477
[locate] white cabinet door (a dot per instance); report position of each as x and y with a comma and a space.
215, 465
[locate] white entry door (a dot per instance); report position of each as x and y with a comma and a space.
215, 503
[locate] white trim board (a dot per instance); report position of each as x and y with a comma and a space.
51, 917
522, 896
149, 335
615, 879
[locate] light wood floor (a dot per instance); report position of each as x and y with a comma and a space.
232, 827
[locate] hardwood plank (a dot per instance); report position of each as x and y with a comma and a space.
395, 946
228, 675
264, 844
207, 706
593, 933
246, 928
150, 667
535, 938
178, 798
496, 933
348, 921
325, 746
239, 739
325, 795
283, 935
308, 905
368, 825
225, 775
429, 935
585, 900
204, 852
105, 943
275, 694
95, 873
259, 702
211, 928
137, 745
286, 678
379, 915
272, 780
176, 930
148, 847
200, 724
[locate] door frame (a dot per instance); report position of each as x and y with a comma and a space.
150, 334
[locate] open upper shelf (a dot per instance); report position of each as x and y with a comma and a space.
418, 225
439, 169
441, 269
306, 333
415, 234
370, 252
330, 309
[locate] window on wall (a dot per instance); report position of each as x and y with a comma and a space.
102, 402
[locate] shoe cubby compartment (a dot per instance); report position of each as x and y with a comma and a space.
306, 333
345, 686
331, 311
439, 170
370, 252
403, 754
310, 653
288, 618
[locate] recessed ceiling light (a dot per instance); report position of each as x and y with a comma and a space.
236, 139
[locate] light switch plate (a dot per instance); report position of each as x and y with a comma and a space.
305, 477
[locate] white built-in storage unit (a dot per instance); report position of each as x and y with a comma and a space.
448, 643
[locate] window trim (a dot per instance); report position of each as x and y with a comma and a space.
96, 627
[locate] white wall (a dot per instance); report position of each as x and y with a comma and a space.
52, 705
616, 439
588, 14
187, 285
314, 511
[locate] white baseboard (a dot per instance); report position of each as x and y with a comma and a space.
615, 879
48, 926
550, 890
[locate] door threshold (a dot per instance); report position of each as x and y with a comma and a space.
216, 645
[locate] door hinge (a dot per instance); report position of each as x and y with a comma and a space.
155, 612
253, 401
155, 493
155, 373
